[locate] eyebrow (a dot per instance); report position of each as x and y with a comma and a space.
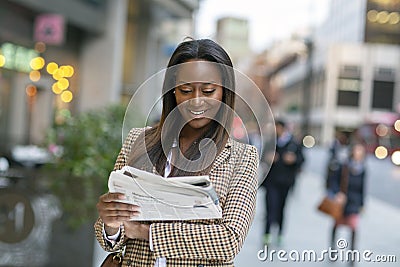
189, 83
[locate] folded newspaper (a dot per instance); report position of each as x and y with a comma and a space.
172, 198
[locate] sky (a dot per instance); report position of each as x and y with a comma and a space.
269, 20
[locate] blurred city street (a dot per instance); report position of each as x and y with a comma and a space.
308, 229
77, 75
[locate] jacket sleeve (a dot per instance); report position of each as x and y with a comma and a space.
299, 156
119, 163
222, 241
363, 184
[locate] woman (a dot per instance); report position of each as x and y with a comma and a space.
353, 183
199, 97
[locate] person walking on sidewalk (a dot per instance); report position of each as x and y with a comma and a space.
286, 163
354, 188
339, 155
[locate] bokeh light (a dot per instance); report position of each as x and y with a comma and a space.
56, 89
51, 67
2, 60
68, 71
308, 141
381, 152
394, 18
372, 15
382, 130
397, 125
58, 74
34, 76
396, 158
40, 47
66, 96
37, 63
31, 90
383, 17
63, 83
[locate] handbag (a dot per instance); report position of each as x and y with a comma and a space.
113, 260
334, 205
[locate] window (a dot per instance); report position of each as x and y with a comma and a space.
348, 92
350, 71
383, 93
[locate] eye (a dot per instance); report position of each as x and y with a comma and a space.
209, 90
185, 89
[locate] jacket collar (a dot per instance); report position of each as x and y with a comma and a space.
220, 158
225, 153
228, 143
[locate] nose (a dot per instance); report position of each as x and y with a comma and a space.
197, 99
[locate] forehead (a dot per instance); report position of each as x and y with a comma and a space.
199, 71
358, 148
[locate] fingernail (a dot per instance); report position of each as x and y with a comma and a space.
121, 197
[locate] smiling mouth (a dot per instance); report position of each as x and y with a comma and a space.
197, 112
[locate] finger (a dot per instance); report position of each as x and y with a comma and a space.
120, 206
109, 197
115, 220
117, 213
119, 218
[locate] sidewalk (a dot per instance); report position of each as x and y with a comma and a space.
307, 229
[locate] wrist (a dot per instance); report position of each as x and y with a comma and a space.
136, 230
145, 230
110, 230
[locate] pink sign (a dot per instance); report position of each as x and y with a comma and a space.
49, 28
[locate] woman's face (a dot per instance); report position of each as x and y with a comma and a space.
358, 153
198, 92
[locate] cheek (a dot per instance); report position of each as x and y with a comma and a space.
220, 97
182, 107
216, 106
217, 99
180, 101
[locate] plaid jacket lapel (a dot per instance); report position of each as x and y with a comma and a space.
223, 155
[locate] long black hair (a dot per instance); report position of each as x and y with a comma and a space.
203, 49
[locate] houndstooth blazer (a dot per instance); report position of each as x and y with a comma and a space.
199, 243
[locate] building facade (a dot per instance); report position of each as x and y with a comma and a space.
355, 70
112, 46
233, 34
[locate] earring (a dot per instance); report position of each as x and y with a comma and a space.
173, 91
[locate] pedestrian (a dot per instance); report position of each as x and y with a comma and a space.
339, 155
286, 162
353, 186
198, 91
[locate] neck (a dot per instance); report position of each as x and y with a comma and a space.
190, 135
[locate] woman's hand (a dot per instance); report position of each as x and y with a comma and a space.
136, 230
114, 213
289, 158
